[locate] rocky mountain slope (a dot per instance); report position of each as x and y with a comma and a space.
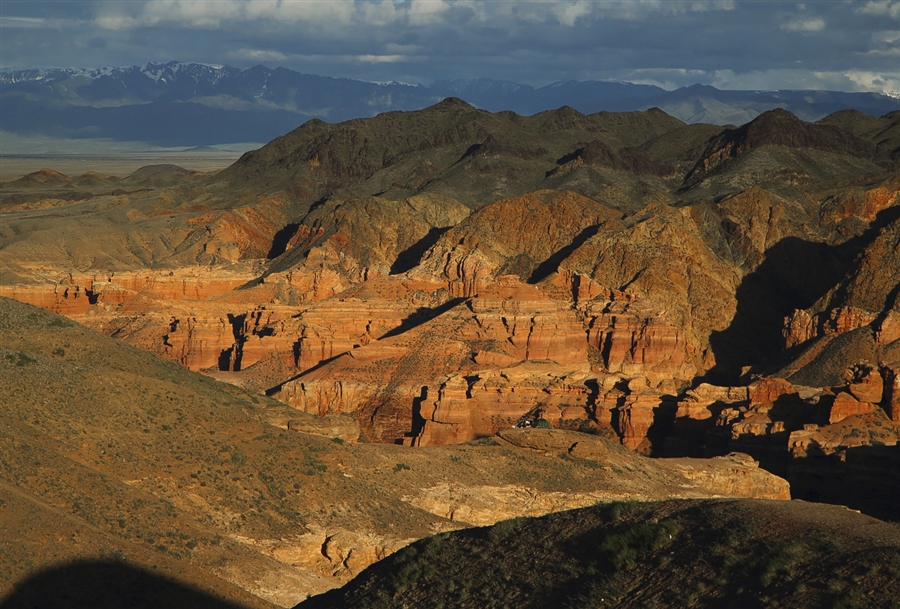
445, 274
124, 468
669, 554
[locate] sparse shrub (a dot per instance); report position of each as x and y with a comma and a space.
431, 546
598, 594
780, 561
504, 529
337, 440
238, 458
542, 424
60, 322
623, 549
20, 359
486, 442
401, 467
312, 465
616, 511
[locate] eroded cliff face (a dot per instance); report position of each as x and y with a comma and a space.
473, 280
487, 362
595, 328
804, 433
867, 297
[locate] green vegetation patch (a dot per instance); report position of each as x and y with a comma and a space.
20, 359
623, 549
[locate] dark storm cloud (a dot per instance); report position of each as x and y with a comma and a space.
837, 44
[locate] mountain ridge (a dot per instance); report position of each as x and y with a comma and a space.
82, 103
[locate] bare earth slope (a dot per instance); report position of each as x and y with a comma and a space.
109, 454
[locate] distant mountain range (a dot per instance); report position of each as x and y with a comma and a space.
191, 104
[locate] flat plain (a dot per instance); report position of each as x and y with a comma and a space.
113, 164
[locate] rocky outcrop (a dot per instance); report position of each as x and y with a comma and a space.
867, 296
660, 253
788, 418
862, 203
499, 239
778, 128
474, 366
443, 283
75, 294
468, 407
624, 335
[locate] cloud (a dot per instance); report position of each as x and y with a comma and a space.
570, 12
376, 13
258, 55
668, 79
887, 37
22, 22
881, 7
425, 12
381, 58
804, 25
869, 81
768, 80
216, 13
118, 22
672, 43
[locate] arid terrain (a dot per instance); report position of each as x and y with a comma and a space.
114, 164
112, 454
382, 309
709, 553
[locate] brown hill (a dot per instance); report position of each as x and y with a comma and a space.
686, 553
450, 149
883, 131
781, 128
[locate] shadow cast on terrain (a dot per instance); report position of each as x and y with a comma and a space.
420, 316
281, 239
107, 585
794, 274
862, 478
275, 389
409, 258
551, 264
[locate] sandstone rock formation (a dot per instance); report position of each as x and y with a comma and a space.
121, 451
443, 275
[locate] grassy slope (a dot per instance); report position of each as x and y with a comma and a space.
709, 553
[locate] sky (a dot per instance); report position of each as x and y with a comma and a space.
731, 44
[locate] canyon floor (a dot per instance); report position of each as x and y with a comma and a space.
346, 340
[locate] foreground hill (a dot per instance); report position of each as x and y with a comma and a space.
114, 458
669, 554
